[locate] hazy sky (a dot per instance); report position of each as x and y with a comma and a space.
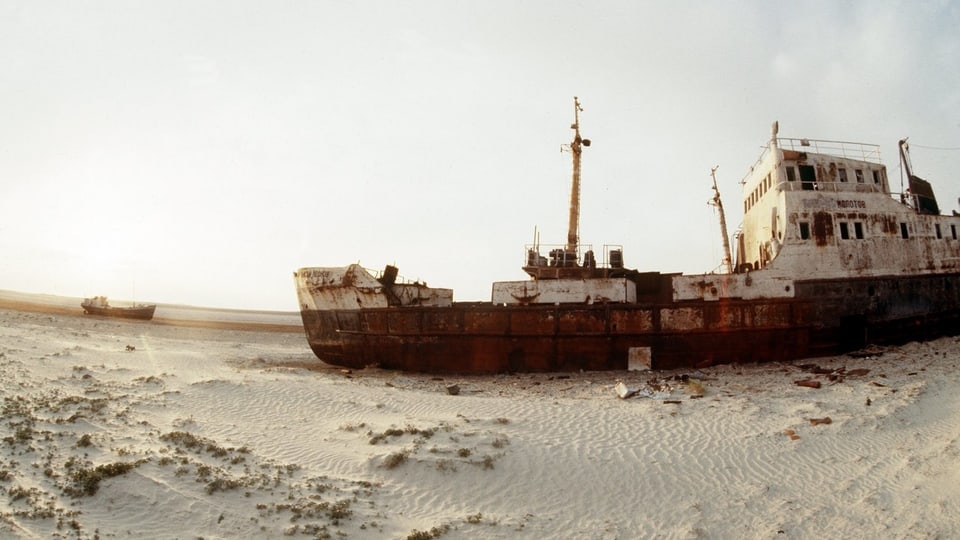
199, 152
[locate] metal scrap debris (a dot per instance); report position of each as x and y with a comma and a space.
835, 375
661, 389
652, 390
622, 391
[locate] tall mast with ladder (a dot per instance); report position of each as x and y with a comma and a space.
575, 147
564, 263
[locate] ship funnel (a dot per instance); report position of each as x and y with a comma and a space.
389, 275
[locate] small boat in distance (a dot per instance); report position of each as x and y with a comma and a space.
98, 305
828, 260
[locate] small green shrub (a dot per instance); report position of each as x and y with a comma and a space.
394, 460
86, 481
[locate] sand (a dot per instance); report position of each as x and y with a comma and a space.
122, 429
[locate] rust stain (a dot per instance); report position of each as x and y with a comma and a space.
822, 228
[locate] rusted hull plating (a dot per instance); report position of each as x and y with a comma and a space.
826, 317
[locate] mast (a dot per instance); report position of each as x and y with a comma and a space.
573, 229
723, 221
906, 167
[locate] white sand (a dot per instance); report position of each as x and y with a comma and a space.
217, 433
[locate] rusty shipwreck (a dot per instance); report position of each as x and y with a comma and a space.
98, 305
828, 260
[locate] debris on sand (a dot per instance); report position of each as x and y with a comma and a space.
622, 391
866, 352
654, 389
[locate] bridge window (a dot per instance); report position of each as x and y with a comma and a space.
808, 177
858, 230
876, 177
844, 231
953, 229
859, 175
937, 227
804, 230
843, 174
791, 174
903, 231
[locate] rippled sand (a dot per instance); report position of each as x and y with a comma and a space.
131, 429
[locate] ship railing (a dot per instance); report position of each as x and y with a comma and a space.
833, 187
847, 150
843, 149
557, 255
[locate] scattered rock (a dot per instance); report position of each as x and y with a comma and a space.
453, 389
809, 383
131, 348
791, 433
858, 372
818, 421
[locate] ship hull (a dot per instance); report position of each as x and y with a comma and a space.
825, 317
144, 313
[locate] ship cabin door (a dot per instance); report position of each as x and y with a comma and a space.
853, 332
808, 177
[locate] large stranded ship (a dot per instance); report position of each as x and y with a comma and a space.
828, 260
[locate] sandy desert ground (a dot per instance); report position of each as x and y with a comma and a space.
120, 429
